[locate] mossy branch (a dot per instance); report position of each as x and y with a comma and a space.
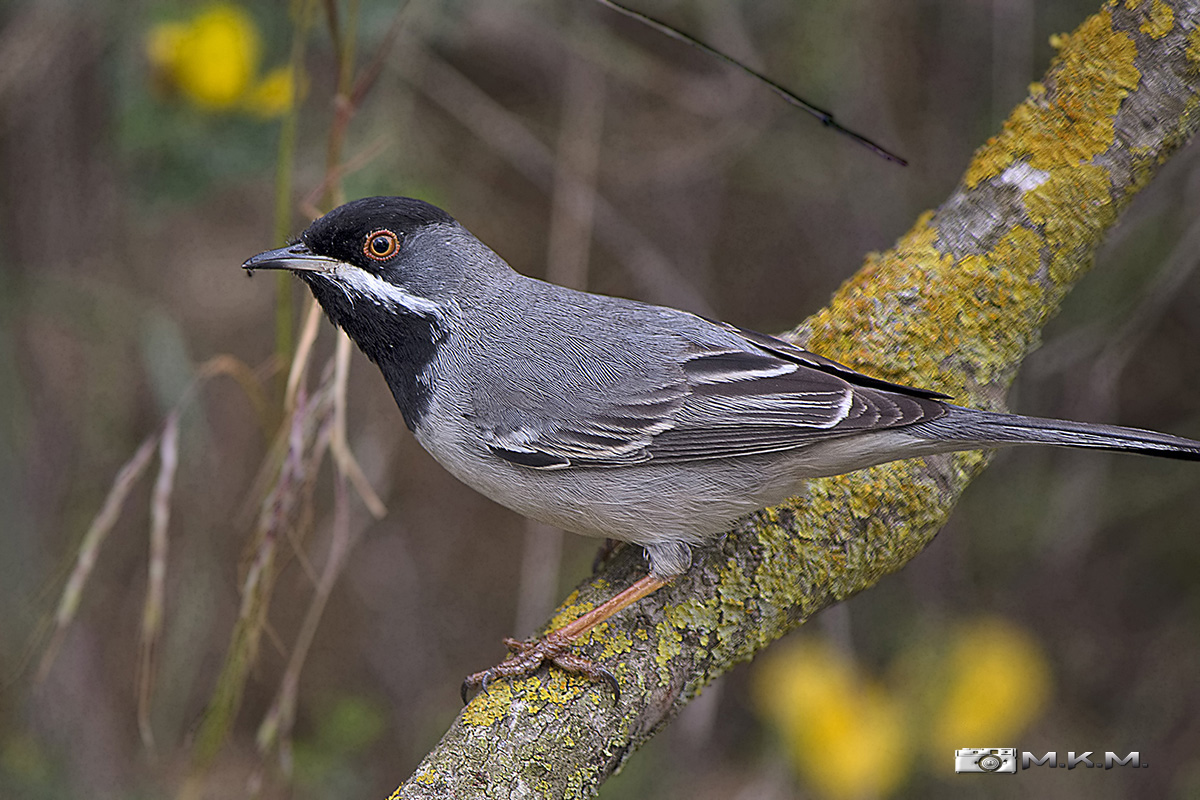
955, 306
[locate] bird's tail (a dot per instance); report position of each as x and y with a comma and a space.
989, 429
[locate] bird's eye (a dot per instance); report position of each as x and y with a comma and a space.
381, 245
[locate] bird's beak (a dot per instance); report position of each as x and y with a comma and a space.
296, 257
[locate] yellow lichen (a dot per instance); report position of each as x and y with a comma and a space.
616, 642
969, 310
776, 578
670, 643
1071, 207
571, 608
1159, 21
526, 696
490, 706
861, 322
1094, 72
988, 290
427, 777
1193, 45
558, 688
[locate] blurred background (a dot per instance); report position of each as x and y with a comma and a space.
1059, 609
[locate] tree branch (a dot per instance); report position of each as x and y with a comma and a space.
955, 306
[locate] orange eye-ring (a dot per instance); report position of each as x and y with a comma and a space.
381, 245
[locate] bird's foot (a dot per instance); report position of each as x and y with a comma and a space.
528, 656
555, 647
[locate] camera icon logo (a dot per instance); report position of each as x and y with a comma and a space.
986, 759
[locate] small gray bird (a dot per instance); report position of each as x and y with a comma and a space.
609, 417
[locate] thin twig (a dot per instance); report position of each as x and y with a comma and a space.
335, 174
825, 117
370, 73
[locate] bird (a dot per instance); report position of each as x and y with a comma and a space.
610, 417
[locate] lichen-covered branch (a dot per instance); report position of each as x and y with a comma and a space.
955, 306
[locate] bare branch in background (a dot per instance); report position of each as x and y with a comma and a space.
788, 96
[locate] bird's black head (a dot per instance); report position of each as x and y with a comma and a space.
385, 270
393, 253
372, 233
407, 243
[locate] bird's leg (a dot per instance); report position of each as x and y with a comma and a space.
555, 646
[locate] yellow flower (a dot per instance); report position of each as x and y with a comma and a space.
212, 59
998, 681
272, 96
845, 734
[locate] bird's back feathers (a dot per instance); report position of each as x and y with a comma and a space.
575, 380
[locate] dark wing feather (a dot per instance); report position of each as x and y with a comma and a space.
615, 434
747, 416
743, 396
791, 352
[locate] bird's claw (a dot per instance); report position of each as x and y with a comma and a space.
528, 657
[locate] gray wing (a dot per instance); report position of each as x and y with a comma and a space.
775, 396
698, 390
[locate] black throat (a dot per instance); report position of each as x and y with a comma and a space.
402, 343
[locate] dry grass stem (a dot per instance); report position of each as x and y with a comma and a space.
342, 454
299, 368
153, 608
307, 441
276, 727
89, 548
